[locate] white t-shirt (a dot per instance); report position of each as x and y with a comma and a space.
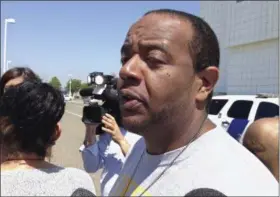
215, 160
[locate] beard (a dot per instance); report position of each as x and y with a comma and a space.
162, 119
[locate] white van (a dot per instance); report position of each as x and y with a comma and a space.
225, 108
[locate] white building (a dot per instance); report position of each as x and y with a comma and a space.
248, 32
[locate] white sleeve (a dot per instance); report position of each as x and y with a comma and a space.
93, 156
92, 160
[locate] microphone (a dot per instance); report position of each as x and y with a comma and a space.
83, 192
204, 192
86, 92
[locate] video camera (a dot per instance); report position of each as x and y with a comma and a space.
99, 99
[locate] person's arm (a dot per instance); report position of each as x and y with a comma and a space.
125, 146
90, 136
91, 154
113, 129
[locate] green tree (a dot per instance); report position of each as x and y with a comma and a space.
75, 85
85, 85
55, 83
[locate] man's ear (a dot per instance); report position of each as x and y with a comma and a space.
57, 132
208, 79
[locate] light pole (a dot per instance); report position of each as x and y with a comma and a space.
12, 21
70, 84
7, 66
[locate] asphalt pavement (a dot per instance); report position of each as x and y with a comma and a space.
66, 150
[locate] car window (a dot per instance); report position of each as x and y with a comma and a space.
216, 106
266, 110
240, 109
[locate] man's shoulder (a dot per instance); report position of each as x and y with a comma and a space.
223, 149
227, 163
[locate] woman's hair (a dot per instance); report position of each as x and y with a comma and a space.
16, 72
29, 113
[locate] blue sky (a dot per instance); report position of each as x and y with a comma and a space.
71, 37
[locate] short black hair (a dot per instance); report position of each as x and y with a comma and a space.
204, 45
29, 113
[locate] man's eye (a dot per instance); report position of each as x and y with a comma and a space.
152, 60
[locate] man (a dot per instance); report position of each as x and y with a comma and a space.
262, 139
170, 67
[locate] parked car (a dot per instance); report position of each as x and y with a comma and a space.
67, 98
225, 108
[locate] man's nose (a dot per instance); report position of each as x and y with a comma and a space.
131, 70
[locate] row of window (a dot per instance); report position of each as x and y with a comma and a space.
241, 109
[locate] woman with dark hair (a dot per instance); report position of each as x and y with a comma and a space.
15, 76
30, 113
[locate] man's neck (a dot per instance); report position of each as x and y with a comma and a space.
164, 138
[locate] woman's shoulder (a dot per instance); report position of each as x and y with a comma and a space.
78, 179
69, 180
72, 176
75, 172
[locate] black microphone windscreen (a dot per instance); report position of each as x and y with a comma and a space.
204, 192
86, 92
83, 192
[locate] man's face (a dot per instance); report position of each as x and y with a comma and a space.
157, 79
